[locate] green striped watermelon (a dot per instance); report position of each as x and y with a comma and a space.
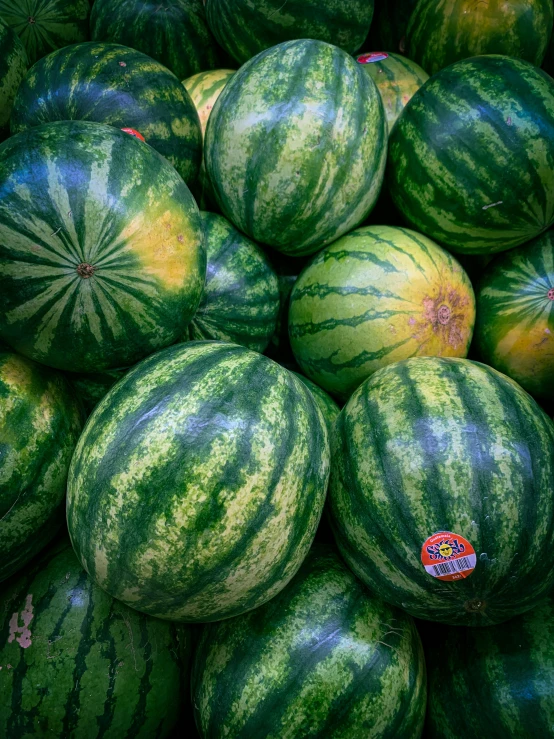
13, 67
296, 146
40, 423
471, 158
389, 26
397, 79
174, 32
327, 405
493, 683
244, 28
46, 25
434, 445
376, 296
514, 332
442, 33
90, 388
101, 247
325, 659
76, 663
287, 271
120, 87
240, 301
198, 483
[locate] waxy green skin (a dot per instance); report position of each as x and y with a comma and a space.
90, 388
296, 160
46, 25
327, 405
13, 67
432, 444
240, 301
74, 193
514, 332
198, 484
174, 32
244, 28
325, 658
40, 423
118, 86
502, 679
471, 158
75, 662
441, 32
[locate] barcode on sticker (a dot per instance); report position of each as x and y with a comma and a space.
449, 568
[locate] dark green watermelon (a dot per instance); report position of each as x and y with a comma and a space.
324, 659
13, 67
90, 388
77, 663
174, 32
40, 423
240, 301
434, 445
101, 247
389, 26
198, 484
120, 87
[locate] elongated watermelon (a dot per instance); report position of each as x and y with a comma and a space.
13, 67
442, 33
327, 405
240, 301
174, 32
90, 388
374, 297
514, 332
433, 445
120, 87
296, 145
101, 246
198, 484
471, 158
75, 662
492, 682
46, 25
324, 659
40, 423
244, 28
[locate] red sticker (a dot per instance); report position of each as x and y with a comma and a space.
375, 56
135, 133
448, 556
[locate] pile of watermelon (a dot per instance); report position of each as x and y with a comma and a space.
276, 369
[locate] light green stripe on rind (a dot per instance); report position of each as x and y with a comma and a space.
13, 67
430, 445
198, 483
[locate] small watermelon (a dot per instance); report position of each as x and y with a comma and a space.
197, 486
441, 493
90, 388
120, 87
40, 423
296, 146
101, 246
327, 405
514, 332
13, 67
240, 301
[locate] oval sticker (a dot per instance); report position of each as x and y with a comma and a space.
448, 556
375, 56
135, 133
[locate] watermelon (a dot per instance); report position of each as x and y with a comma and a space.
325, 658
46, 25
442, 33
492, 682
40, 423
433, 445
287, 271
77, 663
120, 87
174, 32
327, 405
296, 145
548, 62
91, 387
374, 297
101, 247
514, 332
197, 486
389, 26
240, 301
244, 28
397, 79
471, 158
13, 67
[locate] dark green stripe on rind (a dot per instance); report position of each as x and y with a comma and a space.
430, 445
471, 158
75, 662
91, 388
198, 483
295, 146
323, 659
13, 66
